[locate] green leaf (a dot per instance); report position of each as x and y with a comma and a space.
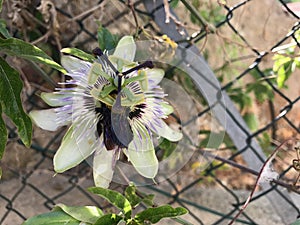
281, 76
262, 91
16, 47
238, 96
79, 54
3, 29
1, 1
3, 134
115, 198
10, 89
156, 214
168, 148
251, 120
149, 200
87, 214
174, 3
109, 219
52, 218
106, 39
133, 198
297, 222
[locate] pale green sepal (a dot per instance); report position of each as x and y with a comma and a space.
73, 150
145, 162
96, 71
126, 48
56, 99
141, 152
165, 131
167, 108
103, 167
45, 119
72, 64
154, 76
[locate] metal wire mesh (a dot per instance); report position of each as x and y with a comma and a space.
28, 186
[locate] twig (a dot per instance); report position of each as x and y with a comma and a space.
83, 14
169, 15
204, 23
259, 178
131, 6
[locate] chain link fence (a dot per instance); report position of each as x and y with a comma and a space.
238, 95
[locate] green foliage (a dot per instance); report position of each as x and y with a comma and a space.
10, 90
3, 134
251, 120
91, 215
153, 215
106, 40
115, 198
135, 199
11, 85
109, 219
16, 47
240, 97
52, 218
87, 214
78, 53
174, 3
168, 148
3, 31
286, 61
209, 11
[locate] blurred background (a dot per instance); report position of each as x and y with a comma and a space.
247, 51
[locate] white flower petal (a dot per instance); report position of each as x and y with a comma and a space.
103, 167
154, 77
141, 152
163, 130
126, 49
72, 64
56, 99
73, 149
45, 119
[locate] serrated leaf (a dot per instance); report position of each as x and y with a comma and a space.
10, 90
106, 39
115, 198
17, 47
52, 218
154, 215
3, 29
109, 219
133, 198
3, 134
79, 54
87, 214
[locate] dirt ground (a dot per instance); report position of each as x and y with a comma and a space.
262, 23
